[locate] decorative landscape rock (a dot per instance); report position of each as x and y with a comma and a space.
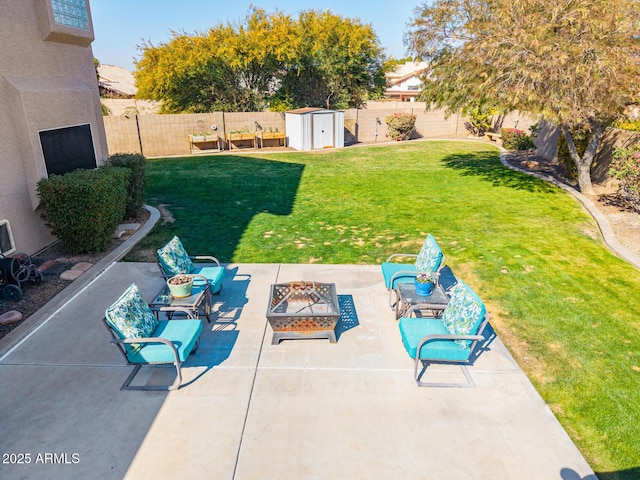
84, 266
10, 317
71, 275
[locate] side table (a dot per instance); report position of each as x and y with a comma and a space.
198, 301
431, 304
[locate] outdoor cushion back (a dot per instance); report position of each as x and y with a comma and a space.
131, 317
430, 256
174, 259
464, 313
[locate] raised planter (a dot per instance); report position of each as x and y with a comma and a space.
229, 138
201, 140
262, 136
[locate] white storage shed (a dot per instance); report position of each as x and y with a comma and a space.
314, 128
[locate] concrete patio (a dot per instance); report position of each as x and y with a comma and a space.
251, 410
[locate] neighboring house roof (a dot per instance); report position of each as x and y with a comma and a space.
406, 71
116, 80
303, 110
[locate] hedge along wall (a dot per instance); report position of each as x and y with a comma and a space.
162, 135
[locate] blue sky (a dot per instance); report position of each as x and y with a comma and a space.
120, 25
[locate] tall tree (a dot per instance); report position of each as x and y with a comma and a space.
267, 58
573, 61
230, 67
337, 63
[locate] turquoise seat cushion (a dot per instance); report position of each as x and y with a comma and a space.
430, 255
413, 330
464, 313
214, 274
182, 333
131, 317
174, 258
390, 269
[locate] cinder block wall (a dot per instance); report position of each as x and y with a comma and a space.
168, 134
162, 135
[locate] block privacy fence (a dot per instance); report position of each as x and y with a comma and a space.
161, 135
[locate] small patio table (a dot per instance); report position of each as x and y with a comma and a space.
430, 305
198, 301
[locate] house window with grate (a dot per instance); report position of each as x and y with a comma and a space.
67, 149
71, 13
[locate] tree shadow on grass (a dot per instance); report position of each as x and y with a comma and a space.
216, 199
628, 474
489, 168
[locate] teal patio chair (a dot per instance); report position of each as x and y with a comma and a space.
430, 257
173, 259
450, 338
144, 340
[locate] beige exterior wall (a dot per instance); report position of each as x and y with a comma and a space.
47, 81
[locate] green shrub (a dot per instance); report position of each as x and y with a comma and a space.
83, 207
581, 139
628, 124
137, 180
514, 139
480, 119
400, 125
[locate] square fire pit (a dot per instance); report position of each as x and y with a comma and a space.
303, 310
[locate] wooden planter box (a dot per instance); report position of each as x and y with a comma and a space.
229, 138
262, 136
238, 136
271, 135
202, 139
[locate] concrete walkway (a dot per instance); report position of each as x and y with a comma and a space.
304, 409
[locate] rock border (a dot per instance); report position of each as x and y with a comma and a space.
604, 226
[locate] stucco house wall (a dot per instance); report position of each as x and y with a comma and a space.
47, 81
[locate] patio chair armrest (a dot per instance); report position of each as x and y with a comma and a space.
403, 273
184, 310
201, 277
408, 255
205, 257
164, 341
439, 336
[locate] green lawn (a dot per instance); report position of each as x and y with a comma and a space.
567, 308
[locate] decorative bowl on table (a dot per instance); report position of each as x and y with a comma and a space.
180, 285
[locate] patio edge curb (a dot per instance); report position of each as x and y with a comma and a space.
16, 336
604, 226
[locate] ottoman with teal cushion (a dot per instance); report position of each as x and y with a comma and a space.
450, 338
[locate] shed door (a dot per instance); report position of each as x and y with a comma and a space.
323, 130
